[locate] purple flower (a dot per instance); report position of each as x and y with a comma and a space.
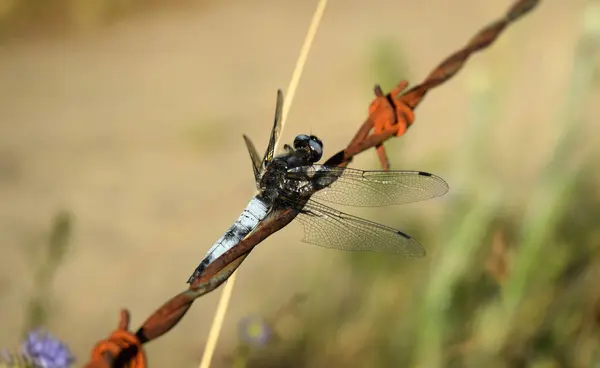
46, 351
255, 330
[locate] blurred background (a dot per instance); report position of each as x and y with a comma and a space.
122, 161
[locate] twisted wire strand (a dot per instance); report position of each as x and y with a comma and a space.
453, 63
392, 114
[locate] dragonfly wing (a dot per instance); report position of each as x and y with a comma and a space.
330, 228
275, 131
353, 187
256, 162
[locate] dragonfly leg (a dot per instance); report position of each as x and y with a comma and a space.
288, 149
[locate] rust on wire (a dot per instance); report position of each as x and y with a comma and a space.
121, 349
390, 115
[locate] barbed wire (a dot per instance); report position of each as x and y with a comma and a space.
390, 115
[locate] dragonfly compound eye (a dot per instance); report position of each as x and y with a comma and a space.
301, 140
314, 138
316, 148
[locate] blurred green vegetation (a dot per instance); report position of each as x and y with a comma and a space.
47, 264
507, 286
46, 259
387, 65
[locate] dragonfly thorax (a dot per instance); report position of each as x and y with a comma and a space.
272, 181
275, 183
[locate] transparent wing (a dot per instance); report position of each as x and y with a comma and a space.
275, 131
353, 187
329, 228
256, 162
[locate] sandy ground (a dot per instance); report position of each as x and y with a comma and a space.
136, 129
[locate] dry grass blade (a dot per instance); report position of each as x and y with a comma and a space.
215, 330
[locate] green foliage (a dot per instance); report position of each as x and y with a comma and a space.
506, 286
387, 66
53, 257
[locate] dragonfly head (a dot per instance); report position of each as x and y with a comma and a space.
311, 144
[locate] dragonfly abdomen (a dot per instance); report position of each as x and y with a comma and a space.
248, 220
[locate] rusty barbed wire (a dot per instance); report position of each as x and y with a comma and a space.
400, 109
452, 64
390, 115
121, 349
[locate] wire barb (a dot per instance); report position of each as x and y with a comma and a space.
121, 349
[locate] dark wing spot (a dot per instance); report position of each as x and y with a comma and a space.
404, 235
424, 173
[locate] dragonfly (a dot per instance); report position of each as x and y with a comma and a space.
294, 180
